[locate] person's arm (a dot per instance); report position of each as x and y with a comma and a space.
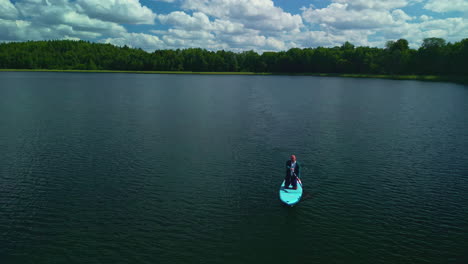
298, 167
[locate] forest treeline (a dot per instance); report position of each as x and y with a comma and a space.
434, 57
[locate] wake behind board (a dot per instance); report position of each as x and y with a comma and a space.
291, 196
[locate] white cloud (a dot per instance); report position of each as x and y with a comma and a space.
53, 19
425, 18
229, 27
21, 30
255, 14
399, 16
182, 20
373, 4
451, 29
223, 32
275, 44
447, 5
198, 31
369, 22
64, 19
138, 40
341, 16
83, 22
118, 11
178, 38
53, 13
236, 25
330, 38
256, 42
200, 21
12, 30
191, 34
7, 10
363, 23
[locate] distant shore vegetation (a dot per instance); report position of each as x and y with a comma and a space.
434, 57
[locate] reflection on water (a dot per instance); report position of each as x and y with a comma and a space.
179, 169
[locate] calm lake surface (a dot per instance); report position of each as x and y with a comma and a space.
129, 168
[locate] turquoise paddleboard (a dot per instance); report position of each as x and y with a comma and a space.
290, 196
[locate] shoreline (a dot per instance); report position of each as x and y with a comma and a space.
428, 78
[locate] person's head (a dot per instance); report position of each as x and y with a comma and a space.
293, 158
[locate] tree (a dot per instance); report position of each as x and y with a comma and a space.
347, 46
431, 43
432, 57
397, 56
435, 56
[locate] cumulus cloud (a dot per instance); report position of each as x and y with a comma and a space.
425, 18
255, 14
236, 25
330, 38
118, 11
179, 38
21, 30
200, 21
7, 10
343, 16
83, 22
197, 21
55, 13
247, 40
399, 16
191, 34
451, 29
374, 22
137, 40
197, 30
373, 4
447, 5
192, 30
64, 19
230, 29
13, 30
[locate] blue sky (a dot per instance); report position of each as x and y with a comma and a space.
261, 25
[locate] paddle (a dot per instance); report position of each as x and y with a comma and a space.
297, 180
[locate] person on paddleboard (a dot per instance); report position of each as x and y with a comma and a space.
292, 172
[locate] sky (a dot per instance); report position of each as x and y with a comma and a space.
236, 25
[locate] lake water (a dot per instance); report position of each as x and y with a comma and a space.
129, 168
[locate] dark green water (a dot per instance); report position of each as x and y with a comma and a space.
126, 168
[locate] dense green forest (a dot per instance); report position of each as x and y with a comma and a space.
434, 57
